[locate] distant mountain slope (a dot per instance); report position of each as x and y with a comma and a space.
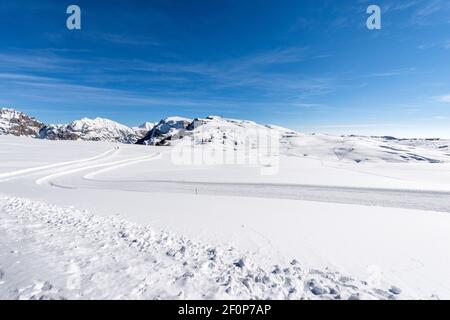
207, 130
243, 135
167, 129
18, 124
97, 129
360, 149
143, 129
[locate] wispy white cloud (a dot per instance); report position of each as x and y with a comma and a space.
23, 77
431, 12
251, 73
24, 61
430, 8
400, 5
122, 39
43, 90
443, 98
394, 72
444, 44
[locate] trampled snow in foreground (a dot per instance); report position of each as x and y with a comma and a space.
50, 252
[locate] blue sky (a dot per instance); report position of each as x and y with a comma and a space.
311, 65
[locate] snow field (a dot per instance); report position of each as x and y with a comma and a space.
51, 252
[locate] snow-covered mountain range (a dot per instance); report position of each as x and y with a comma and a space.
218, 132
97, 129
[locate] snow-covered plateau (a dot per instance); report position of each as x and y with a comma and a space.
183, 216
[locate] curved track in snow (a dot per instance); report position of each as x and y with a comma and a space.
20, 173
80, 174
107, 166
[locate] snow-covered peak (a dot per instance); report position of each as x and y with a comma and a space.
87, 124
18, 123
167, 129
211, 117
98, 129
7, 112
175, 119
172, 123
143, 129
147, 126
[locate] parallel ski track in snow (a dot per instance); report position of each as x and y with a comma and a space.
20, 173
109, 166
82, 173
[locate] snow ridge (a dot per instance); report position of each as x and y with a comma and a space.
98, 129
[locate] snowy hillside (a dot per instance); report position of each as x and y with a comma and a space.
232, 131
209, 130
218, 132
442, 145
361, 149
18, 124
97, 129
